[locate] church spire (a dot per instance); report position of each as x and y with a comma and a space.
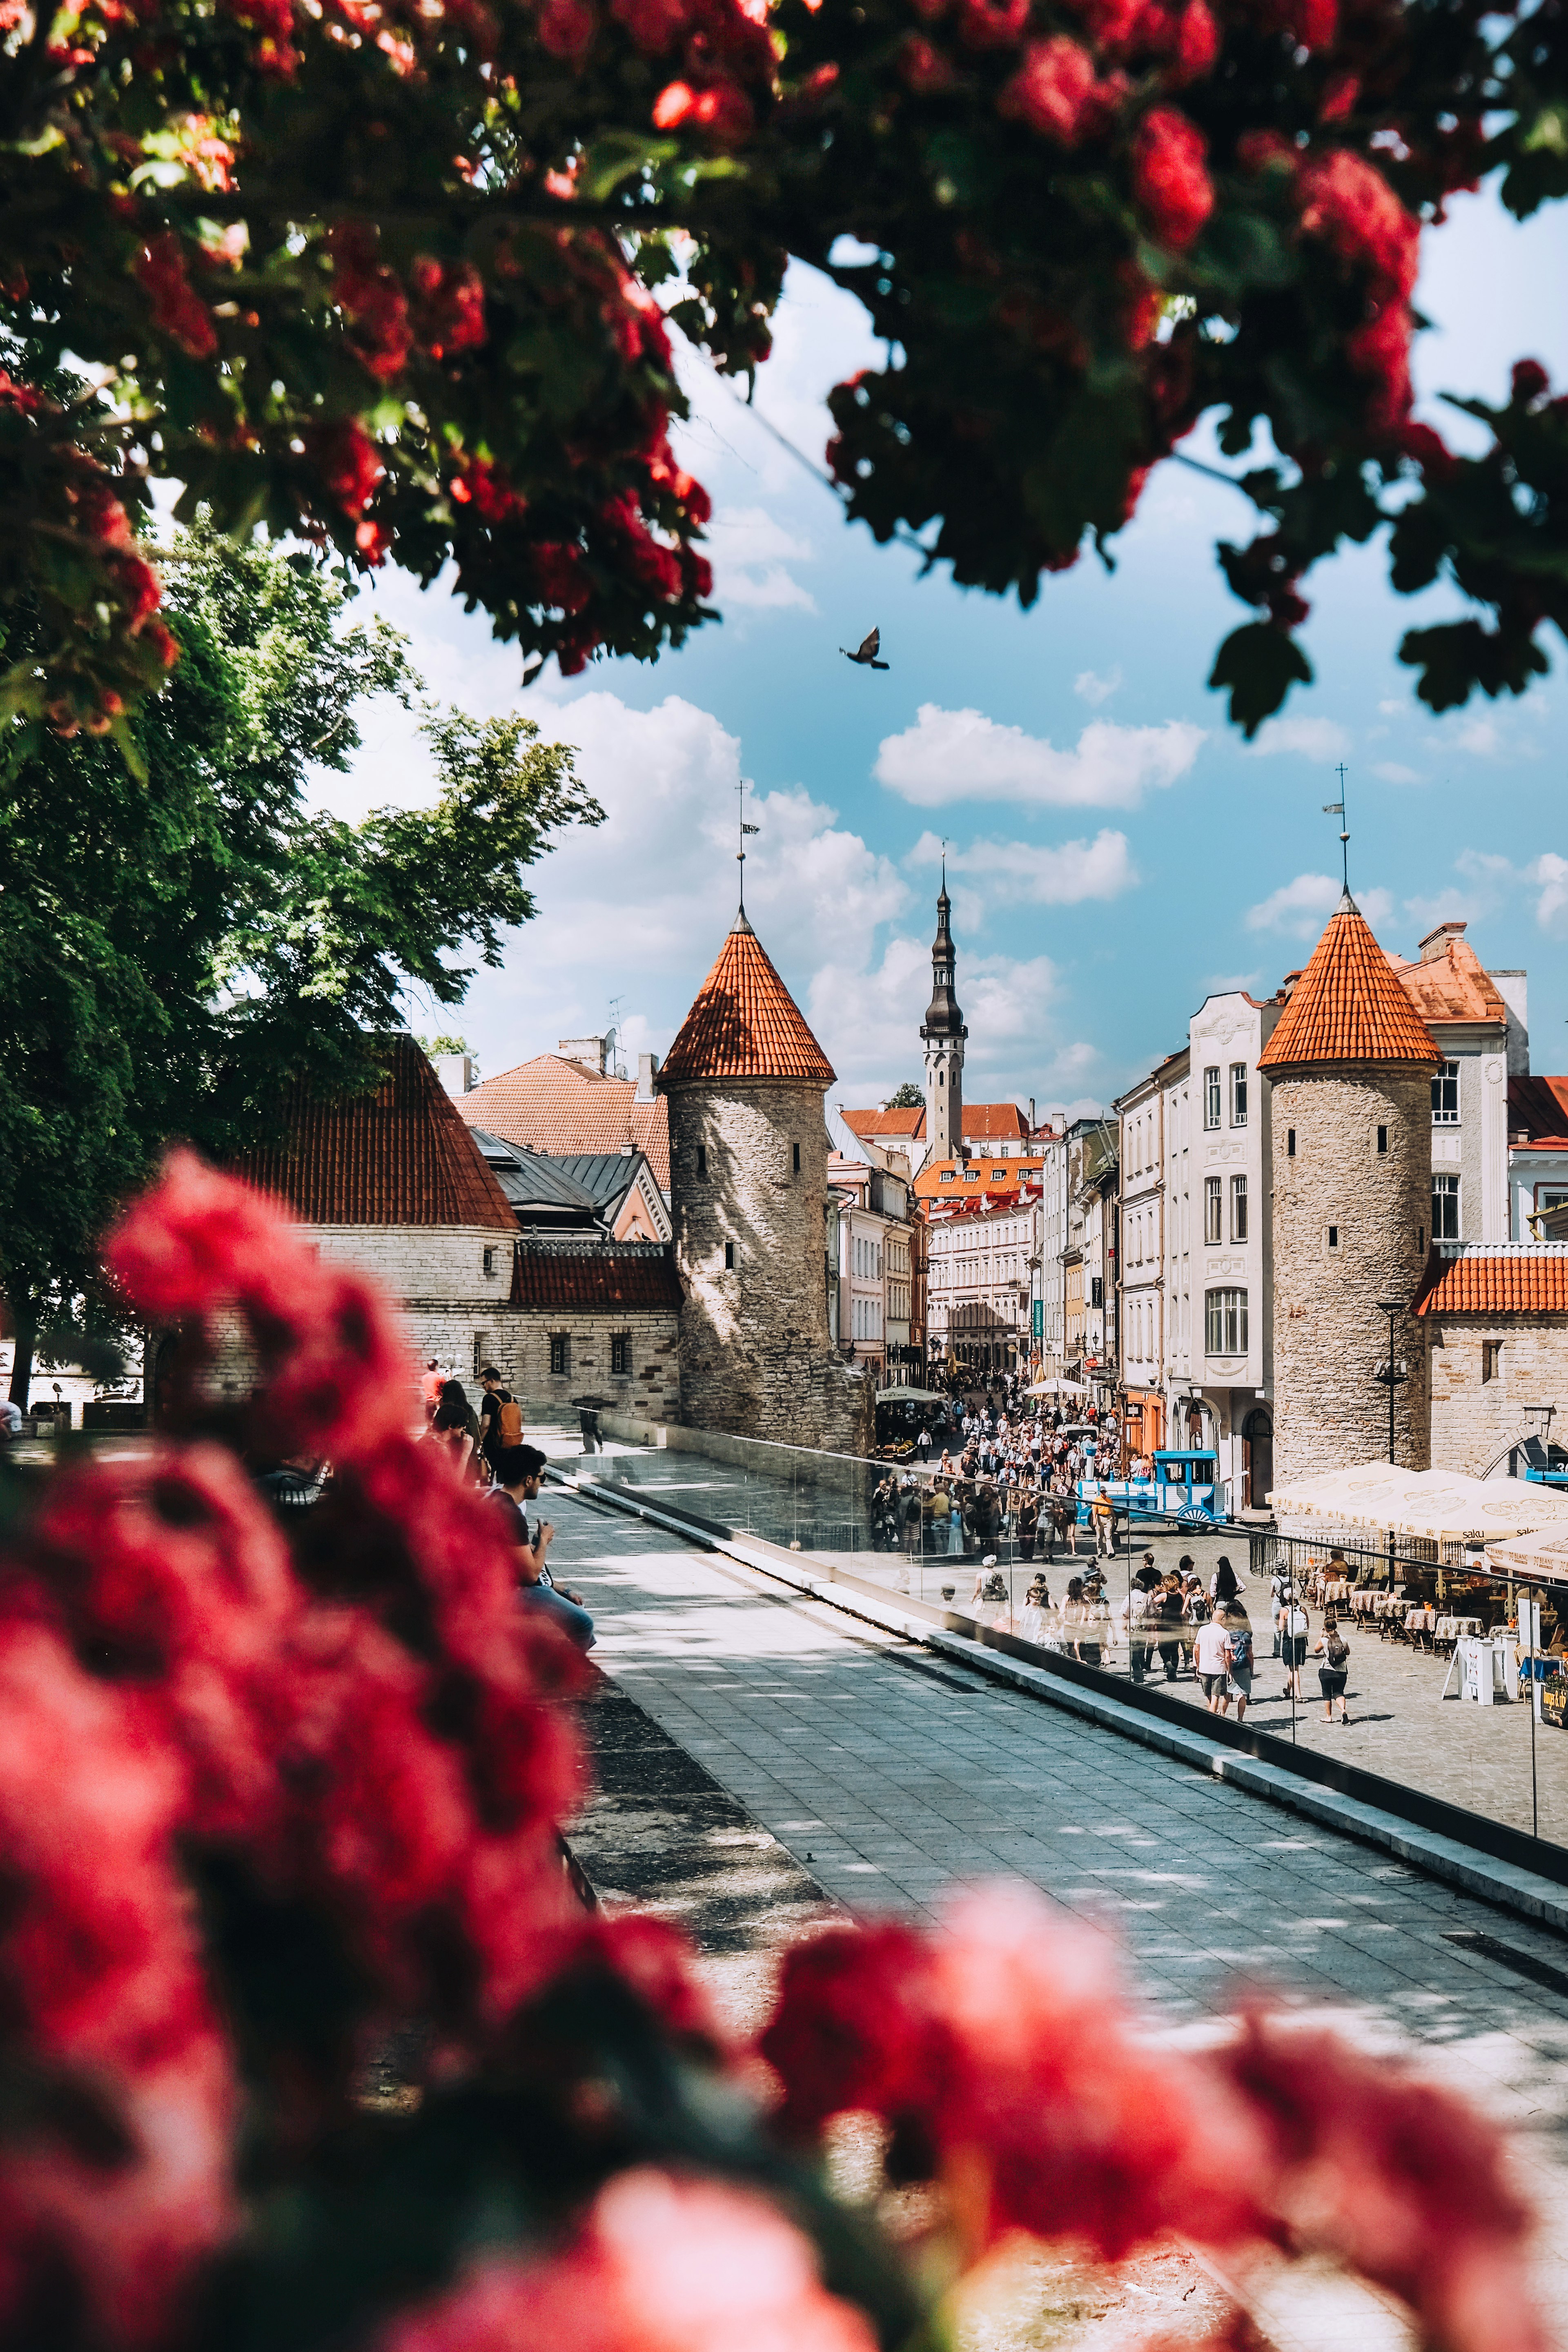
943, 1033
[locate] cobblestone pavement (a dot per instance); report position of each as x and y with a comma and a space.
890, 1778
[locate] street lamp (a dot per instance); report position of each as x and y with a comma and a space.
1391, 1374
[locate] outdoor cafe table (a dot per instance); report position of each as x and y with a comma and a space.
1337, 1589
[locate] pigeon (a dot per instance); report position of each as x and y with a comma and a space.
866, 655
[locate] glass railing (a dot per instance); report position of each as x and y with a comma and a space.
1454, 1680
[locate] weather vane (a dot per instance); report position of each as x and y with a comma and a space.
745, 829
1337, 808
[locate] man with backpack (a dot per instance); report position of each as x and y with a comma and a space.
501, 1417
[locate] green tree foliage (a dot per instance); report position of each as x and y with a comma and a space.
908, 1097
172, 952
395, 281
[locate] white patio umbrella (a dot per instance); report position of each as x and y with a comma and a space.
1057, 1388
1432, 1504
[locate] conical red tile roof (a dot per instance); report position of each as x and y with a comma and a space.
745, 1024
1348, 1006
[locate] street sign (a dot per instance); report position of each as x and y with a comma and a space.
1039, 1321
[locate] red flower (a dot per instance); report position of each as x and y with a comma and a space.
723, 109
1382, 349
1430, 451
560, 578
1315, 23
176, 308
1197, 42
661, 2265
566, 29
993, 23
346, 460
1340, 95
1347, 201
923, 66
1056, 92
372, 297
1529, 382
484, 486
1256, 150
450, 296
653, 24
1169, 178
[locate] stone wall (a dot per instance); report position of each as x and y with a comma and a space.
1472, 1417
1328, 1338
755, 1350
517, 1343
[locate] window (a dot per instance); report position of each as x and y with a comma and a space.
1290, 1143
1238, 1208
1213, 1231
1444, 1208
1383, 1139
1238, 1093
1333, 1237
1211, 1097
998, 1175
560, 1353
1491, 1360
946, 1176
729, 1257
621, 1354
1446, 1096
1096, 1291
795, 1148
489, 1261
1224, 1323
703, 1160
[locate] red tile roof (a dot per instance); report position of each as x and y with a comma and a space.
1538, 1106
600, 1276
1524, 1278
745, 1024
552, 1105
995, 1119
1347, 1006
975, 1179
1451, 985
397, 1156
910, 1121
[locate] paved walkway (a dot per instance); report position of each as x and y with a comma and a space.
889, 1777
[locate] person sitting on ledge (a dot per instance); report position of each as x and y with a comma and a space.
519, 1469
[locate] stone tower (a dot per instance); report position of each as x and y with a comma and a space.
945, 1033
744, 1081
1349, 1066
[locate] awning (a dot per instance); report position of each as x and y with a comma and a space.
902, 1395
1433, 1503
1543, 1555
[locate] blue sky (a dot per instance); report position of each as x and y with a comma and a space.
1116, 852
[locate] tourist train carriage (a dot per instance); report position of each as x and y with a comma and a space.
1186, 1487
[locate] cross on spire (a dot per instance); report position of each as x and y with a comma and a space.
1337, 808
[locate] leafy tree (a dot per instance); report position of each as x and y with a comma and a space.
908, 1097
173, 952
386, 278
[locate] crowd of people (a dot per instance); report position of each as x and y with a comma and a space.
484, 1442
1006, 1470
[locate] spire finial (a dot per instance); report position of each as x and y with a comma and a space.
1337, 808
741, 852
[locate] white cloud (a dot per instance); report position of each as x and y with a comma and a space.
953, 755
1480, 736
1314, 739
867, 1018
1091, 687
1550, 872
1229, 983
1392, 773
1393, 709
1059, 876
1302, 908
751, 554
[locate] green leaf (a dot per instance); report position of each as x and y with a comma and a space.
1259, 664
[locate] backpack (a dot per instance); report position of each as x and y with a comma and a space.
994, 1587
1337, 1651
510, 1419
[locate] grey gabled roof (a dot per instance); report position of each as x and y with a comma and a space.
532, 1180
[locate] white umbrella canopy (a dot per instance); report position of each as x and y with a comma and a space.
1057, 1388
900, 1394
1543, 1555
1430, 1503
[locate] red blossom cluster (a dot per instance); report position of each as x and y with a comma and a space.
440, 310
992, 2050
1347, 201
661, 2265
177, 309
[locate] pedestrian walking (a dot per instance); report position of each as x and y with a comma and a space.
1165, 1616
1294, 1627
922, 1446
500, 1416
1102, 1516
1210, 1657
1279, 1593
1237, 1626
456, 1428
1223, 1586
911, 1508
1028, 1524
1334, 1671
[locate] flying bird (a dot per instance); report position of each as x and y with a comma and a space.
866, 654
